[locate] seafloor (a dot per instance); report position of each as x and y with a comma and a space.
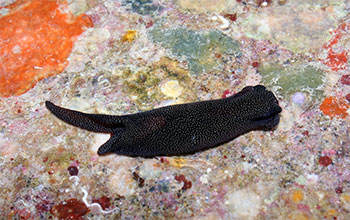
121, 57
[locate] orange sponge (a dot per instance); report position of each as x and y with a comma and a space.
36, 37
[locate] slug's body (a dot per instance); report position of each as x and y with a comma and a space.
180, 129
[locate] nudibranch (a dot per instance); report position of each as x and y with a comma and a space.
180, 129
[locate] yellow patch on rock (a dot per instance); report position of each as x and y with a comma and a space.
178, 162
171, 89
297, 196
129, 36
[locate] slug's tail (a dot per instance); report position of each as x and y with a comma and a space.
91, 122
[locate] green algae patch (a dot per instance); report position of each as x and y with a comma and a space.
197, 47
144, 86
141, 84
143, 7
60, 158
295, 78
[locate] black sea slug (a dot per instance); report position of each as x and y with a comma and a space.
180, 129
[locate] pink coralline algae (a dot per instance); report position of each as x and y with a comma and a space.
345, 79
227, 93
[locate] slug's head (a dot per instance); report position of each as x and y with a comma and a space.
259, 106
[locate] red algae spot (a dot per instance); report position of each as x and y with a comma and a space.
164, 160
339, 190
73, 170
255, 64
104, 202
36, 39
227, 93
24, 214
70, 209
44, 206
345, 79
347, 97
232, 17
336, 60
149, 24
140, 180
325, 161
182, 178
334, 107
187, 185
